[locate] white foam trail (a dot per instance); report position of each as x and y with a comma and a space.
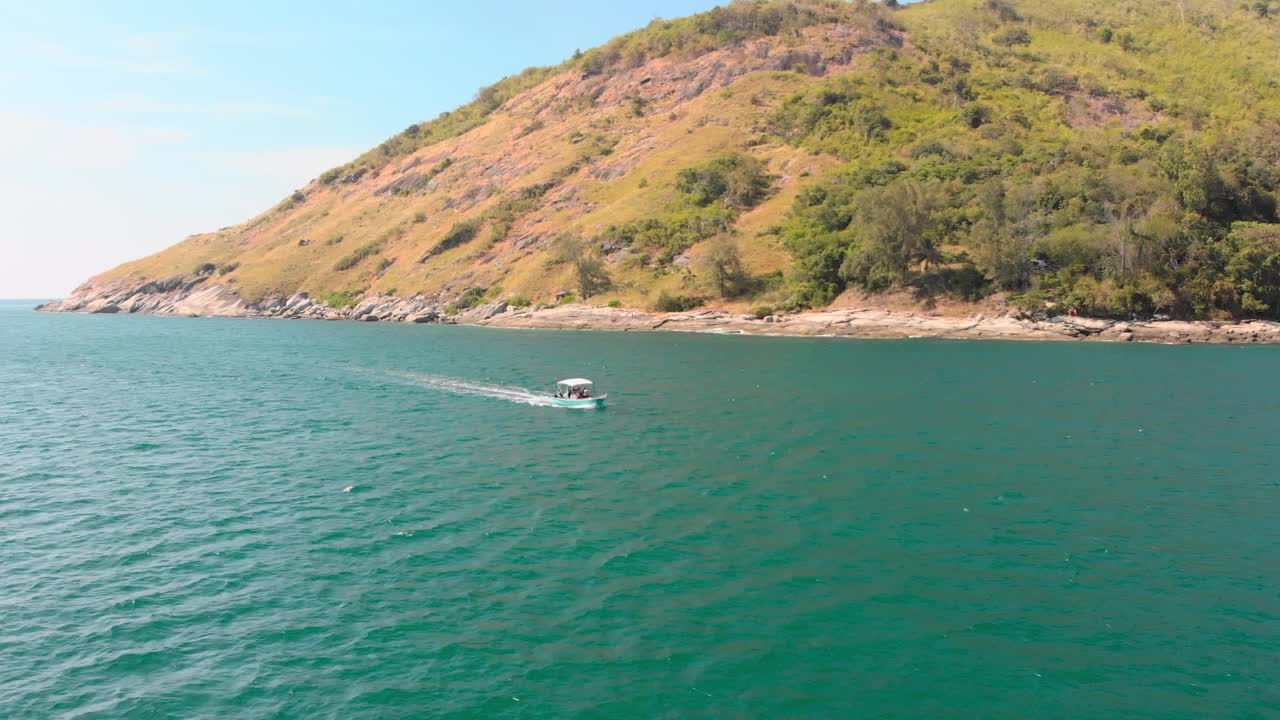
458, 386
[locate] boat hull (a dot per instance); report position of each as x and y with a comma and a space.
595, 403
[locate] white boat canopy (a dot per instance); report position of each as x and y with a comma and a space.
575, 382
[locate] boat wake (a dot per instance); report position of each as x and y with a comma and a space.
458, 386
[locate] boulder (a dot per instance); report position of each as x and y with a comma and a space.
1082, 325
272, 304
167, 284
489, 310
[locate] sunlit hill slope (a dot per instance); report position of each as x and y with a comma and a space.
1119, 158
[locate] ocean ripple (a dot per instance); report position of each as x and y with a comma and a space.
246, 519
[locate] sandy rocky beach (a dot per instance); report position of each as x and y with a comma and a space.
194, 295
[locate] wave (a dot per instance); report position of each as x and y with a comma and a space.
458, 386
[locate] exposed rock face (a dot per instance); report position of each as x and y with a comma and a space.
874, 323
192, 295
667, 82
407, 183
189, 295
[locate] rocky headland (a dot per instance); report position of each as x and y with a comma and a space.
196, 295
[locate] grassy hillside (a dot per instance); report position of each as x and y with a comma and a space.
1118, 158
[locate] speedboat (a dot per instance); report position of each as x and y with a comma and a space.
577, 393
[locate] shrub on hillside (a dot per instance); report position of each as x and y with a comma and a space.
503, 217
1057, 81
341, 299
975, 116
1013, 36
929, 148
836, 118
470, 298
1003, 10
672, 233
460, 234
358, 255
676, 303
439, 167
739, 180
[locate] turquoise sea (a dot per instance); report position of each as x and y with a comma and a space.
204, 518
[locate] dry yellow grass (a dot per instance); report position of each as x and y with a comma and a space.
288, 248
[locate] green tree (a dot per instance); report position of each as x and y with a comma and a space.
897, 226
593, 277
957, 91
722, 264
1001, 248
1254, 270
871, 121
1143, 224
1193, 173
589, 270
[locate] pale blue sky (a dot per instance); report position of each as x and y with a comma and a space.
127, 126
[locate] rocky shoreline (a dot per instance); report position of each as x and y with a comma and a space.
196, 295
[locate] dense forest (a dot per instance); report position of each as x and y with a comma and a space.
975, 165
